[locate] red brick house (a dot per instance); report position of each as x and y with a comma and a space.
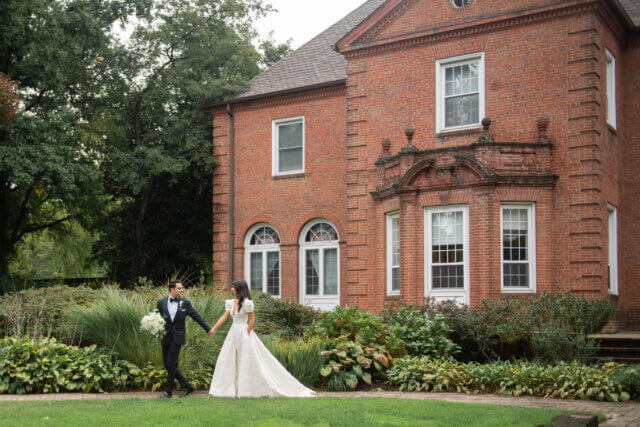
463, 149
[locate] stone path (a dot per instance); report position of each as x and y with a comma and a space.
618, 414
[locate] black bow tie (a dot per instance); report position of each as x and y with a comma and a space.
173, 299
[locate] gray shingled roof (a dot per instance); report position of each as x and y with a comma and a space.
316, 63
632, 7
313, 63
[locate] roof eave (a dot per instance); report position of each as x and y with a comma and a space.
240, 99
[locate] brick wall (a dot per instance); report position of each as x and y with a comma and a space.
629, 213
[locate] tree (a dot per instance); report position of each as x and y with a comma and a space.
48, 167
9, 101
157, 165
273, 52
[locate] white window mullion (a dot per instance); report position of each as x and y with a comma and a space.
392, 251
612, 252
519, 221
611, 89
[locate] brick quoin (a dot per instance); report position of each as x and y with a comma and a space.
548, 143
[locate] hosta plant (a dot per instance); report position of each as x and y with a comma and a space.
349, 363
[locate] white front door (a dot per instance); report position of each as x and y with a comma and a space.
446, 269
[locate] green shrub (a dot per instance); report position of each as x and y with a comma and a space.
48, 366
114, 323
346, 363
39, 312
282, 316
629, 377
565, 380
556, 344
422, 336
511, 328
303, 359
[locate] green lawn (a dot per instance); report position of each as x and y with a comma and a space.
269, 412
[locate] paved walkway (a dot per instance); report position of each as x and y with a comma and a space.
618, 414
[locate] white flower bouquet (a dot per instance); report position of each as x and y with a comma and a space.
153, 323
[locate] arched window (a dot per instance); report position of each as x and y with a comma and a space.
262, 259
320, 259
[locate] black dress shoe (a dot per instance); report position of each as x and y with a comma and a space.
187, 392
165, 395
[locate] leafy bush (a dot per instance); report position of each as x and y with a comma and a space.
348, 363
303, 359
555, 344
629, 377
48, 366
422, 336
39, 312
510, 328
114, 323
565, 380
282, 316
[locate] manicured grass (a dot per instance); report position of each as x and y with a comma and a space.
269, 412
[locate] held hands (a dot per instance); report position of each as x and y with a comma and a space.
212, 332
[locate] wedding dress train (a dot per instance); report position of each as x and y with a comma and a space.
245, 368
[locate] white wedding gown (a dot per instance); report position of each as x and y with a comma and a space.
245, 368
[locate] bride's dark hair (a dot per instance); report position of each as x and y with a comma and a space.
242, 291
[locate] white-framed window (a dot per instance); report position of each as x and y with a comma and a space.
393, 254
447, 252
518, 249
460, 92
262, 259
612, 248
320, 253
611, 89
288, 146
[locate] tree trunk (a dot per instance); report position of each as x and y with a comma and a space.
136, 268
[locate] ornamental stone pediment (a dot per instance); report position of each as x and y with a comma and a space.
482, 163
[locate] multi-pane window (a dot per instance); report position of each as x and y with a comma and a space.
263, 260
288, 146
518, 253
611, 90
447, 245
320, 251
460, 3
393, 254
460, 92
447, 252
613, 249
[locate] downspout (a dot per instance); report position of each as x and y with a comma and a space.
232, 228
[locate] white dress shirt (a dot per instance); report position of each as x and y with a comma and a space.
172, 307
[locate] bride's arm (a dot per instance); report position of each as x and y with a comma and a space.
252, 319
219, 323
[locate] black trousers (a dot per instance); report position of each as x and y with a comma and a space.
170, 353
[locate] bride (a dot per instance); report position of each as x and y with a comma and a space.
245, 368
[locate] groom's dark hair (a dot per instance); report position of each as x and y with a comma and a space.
173, 283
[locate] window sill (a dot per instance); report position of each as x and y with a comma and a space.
518, 291
393, 297
289, 176
461, 131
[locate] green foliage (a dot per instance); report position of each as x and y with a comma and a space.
348, 363
512, 327
47, 366
629, 378
39, 312
48, 169
564, 380
302, 358
158, 168
352, 322
114, 323
272, 52
556, 344
62, 252
282, 316
422, 336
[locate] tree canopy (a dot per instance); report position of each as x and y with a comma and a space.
109, 132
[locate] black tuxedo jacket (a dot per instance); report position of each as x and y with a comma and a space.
176, 330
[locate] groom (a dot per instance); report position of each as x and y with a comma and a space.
174, 310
